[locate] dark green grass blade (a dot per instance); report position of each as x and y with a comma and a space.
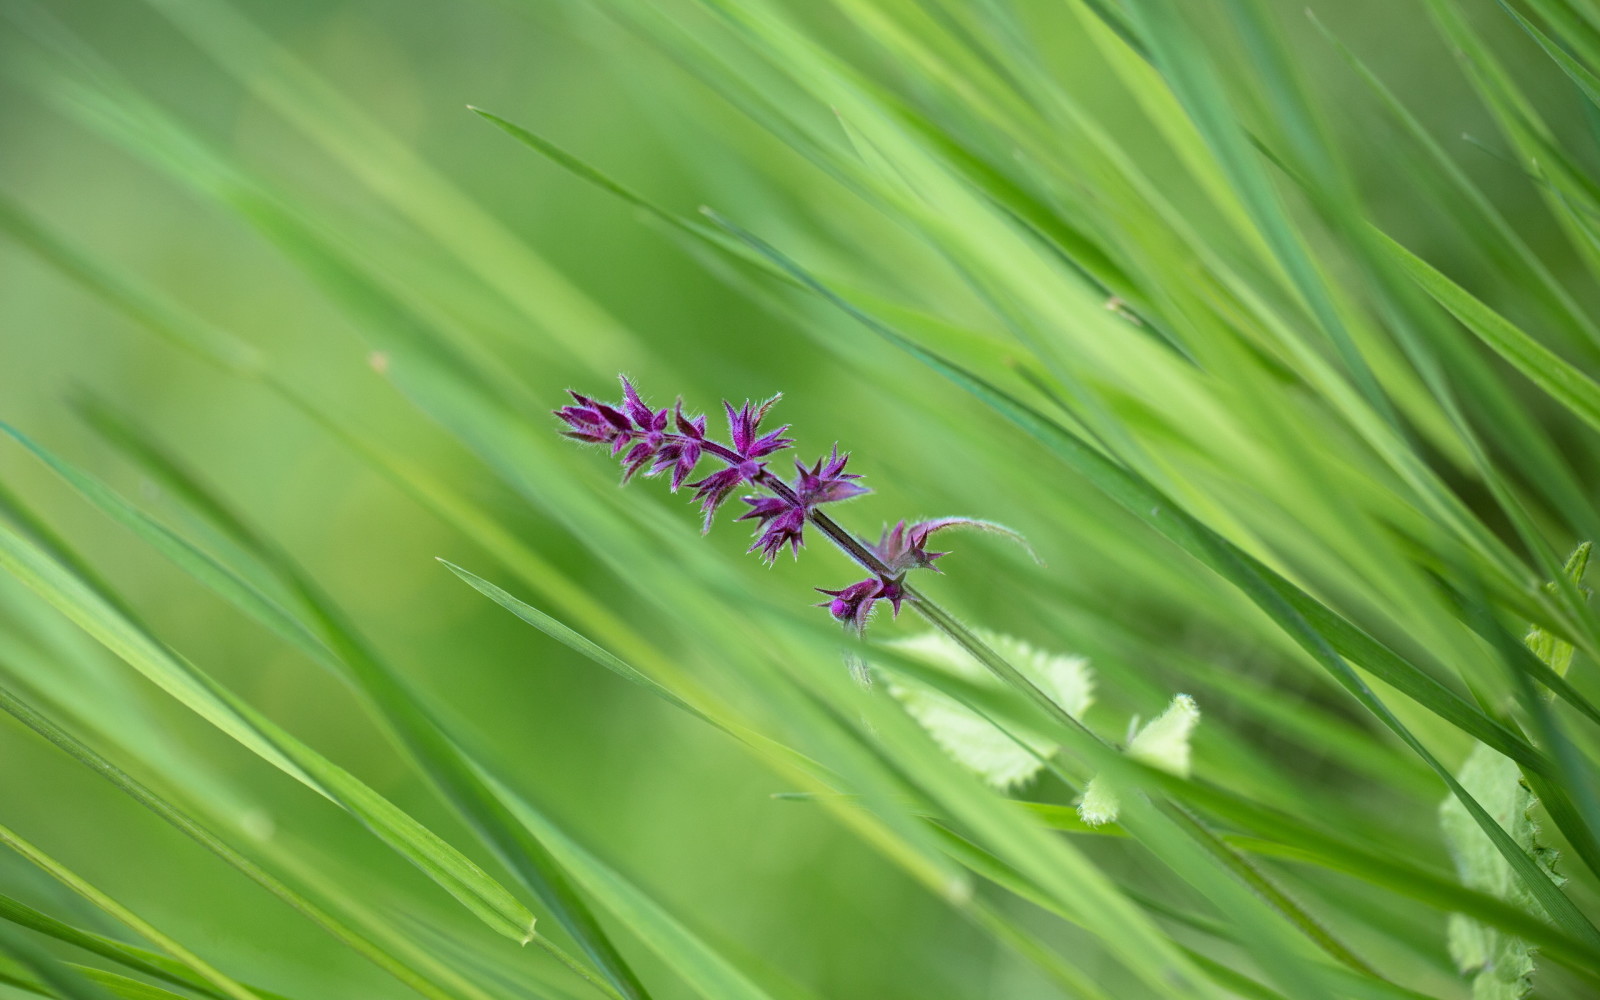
1302, 846
575, 641
129, 956
46, 971
1587, 83
447, 866
122, 986
220, 982
1565, 383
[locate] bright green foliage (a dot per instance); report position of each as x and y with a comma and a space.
330, 670
1501, 965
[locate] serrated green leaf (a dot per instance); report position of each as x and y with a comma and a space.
1162, 743
1499, 965
1004, 758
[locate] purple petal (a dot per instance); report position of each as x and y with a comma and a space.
613, 417
637, 411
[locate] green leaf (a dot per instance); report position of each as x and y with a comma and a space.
1161, 743
1499, 964
1550, 648
1002, 757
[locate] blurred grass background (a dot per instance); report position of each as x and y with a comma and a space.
663, 798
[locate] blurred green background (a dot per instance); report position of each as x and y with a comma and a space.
668, 801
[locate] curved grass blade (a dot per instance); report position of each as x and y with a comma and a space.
121, 986
129, 956
702, 967
575, 641
1587, 83
1542, 366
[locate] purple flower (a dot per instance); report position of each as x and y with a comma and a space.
744, 426
654, 441
633, 427
902, 548
713, 490
781, 523
854, 604
596, 423
745, 423
681, 452
782, 519
905, 548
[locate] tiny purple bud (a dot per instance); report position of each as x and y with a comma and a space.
694, 427
635, 460
854, 604
680, 456
637, 411
595, 423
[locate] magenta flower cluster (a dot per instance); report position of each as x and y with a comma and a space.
656, 441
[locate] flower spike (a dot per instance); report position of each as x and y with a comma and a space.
654, 441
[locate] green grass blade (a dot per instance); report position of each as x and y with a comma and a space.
44, 975
425, 983
129, 956
1563, 382
448, 867
198, 966
1262, 588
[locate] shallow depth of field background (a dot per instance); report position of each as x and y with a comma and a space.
668, 801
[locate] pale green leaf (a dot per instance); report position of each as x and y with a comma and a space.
1004, 758
1546, 645
1500, 965
1162, 743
